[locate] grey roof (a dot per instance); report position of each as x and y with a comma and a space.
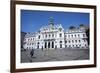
30, 34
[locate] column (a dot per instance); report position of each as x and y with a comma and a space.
47, 45
50, 44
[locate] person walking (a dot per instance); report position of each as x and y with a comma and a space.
32, 53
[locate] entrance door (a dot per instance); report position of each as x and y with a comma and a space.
45, 45
52, 44
48, 44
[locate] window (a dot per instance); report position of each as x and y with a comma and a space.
38, 47
65, 41
69, 41
39, 37
78, 35
52, 35
76, 41
60, 41
49, 35
72, 35
80, 45
84, 40
72, 41
65, 35
33, 39
46, 35
60, 29
68, 35
28, 39
83, 35
60, 35
60, 45
75, 35
79, 40
24, 39
38, 43
66, 46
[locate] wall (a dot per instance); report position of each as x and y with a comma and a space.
5, 37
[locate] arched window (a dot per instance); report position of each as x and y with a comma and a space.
38, 43
68, 35
76, 41
52, 35
60, 35
46, 36
78, 35
75, 35
52, 44
49, 35
65, 46
45, 45
69, 41
28, 39
48, 44
65, 41
60, 41
39, 37
60, 45
83, 35
72, 41
72, 35
79, 40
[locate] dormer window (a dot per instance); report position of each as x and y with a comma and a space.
60, 29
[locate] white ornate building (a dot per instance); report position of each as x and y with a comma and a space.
55, 37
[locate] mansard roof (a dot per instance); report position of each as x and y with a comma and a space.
50, 27
30, 34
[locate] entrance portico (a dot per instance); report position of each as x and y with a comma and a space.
49, 44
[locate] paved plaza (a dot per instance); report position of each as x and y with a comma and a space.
54, 55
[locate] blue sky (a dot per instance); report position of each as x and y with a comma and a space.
32, 20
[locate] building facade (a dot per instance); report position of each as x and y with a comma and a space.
56, 37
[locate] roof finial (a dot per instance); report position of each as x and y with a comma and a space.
51, 21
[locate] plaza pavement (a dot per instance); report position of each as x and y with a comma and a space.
54, 55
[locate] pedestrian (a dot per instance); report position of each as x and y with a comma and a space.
32, 53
